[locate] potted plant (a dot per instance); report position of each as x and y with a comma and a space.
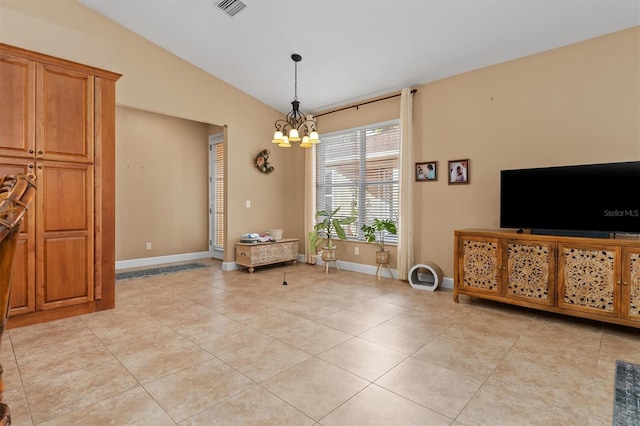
330, 223
376, 232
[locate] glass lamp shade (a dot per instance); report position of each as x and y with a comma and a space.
293, 135
314, 138
284, 143
277, 137
306, 142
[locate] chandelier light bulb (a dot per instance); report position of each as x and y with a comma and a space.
277, 137
293, 135
284, 143
306, 142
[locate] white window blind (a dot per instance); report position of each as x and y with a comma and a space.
358, 170
216, 187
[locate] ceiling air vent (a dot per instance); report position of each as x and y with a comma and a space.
230, 7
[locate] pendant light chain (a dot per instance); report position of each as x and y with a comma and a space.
295, 86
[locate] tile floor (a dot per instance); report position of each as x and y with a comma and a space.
206, 347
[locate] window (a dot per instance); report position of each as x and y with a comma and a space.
358, 170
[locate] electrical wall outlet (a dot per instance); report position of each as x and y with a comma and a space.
148, 246
247, 204
356, 251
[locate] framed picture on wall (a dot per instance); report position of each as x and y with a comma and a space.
427, 171
458, 171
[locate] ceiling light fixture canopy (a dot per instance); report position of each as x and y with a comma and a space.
296, 124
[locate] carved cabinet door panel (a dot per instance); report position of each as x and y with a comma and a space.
631, 284
529, 271
588, 278
479, 268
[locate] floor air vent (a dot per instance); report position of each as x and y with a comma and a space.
230, 7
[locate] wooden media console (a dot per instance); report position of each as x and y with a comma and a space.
595, 278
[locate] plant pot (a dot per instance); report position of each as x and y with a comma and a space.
328, 255
382, 257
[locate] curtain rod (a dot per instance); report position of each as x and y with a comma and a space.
363, 103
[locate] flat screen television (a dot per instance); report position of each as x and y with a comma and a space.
593, 200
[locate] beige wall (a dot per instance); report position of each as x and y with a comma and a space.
156, 81
155, 156
574, 105
577, 104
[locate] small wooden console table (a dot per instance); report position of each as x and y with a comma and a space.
250, 255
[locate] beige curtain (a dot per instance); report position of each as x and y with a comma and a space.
405, 238
309, 198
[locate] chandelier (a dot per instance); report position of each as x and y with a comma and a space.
296, 124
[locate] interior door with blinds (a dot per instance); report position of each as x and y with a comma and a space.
216, 196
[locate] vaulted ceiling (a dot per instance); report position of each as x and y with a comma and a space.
356, 49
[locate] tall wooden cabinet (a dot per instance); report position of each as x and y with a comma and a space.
586, 277
57, 121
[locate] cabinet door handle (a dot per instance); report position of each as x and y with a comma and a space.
31, 166
30, 151
40, 152
40, 167
625, 283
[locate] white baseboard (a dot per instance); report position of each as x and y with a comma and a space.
447, 283
229, 266
232, 266
159, 260
371, 270
359, 267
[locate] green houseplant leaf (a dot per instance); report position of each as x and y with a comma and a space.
378, 229
331, 223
